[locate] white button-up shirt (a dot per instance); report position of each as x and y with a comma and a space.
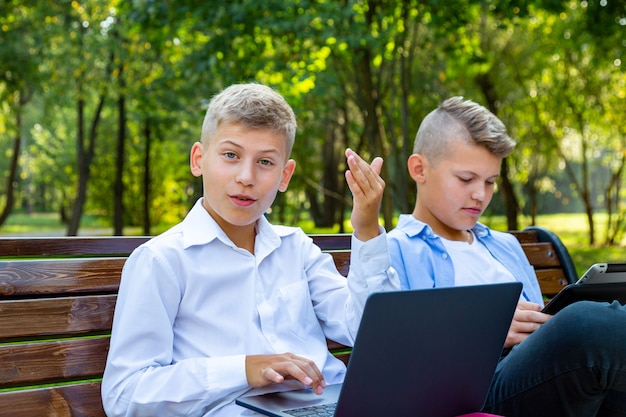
192, 305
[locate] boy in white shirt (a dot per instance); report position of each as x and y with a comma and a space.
224, 302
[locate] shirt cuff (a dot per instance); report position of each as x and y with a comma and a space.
371, 257
230, 373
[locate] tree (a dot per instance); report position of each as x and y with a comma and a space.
20, 45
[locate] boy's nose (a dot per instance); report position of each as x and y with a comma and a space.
245, 175
478, 194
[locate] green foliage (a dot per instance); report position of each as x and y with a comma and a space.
359, 73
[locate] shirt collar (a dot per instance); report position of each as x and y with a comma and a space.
413, 227
199, 228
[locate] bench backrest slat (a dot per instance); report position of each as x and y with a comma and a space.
56, 317
541, 255
70, 246
64, 401
52, 361
551, 281
55, 277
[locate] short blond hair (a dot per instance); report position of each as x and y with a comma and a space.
254, 106
457, 118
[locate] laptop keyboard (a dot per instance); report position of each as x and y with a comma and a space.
322, 410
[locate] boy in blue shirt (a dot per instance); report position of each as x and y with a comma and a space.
572, 364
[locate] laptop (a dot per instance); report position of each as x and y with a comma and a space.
602, 282
427, 352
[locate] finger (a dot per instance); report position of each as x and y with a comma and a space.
271, 375
513, 339
362, 174
377, 165
525, 327
531, 316
361, 167
527, 305
313, 376
301, 369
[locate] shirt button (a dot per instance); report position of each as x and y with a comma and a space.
444, 255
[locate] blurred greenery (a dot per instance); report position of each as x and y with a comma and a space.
100, 100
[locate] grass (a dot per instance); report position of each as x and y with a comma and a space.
49, 224
571, 228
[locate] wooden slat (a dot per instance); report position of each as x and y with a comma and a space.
115, 245
54, 361
81, 400
332, 242
551, 281
525, 236
59, 276
344, 357
342, 261
65, 316
334, 346
74, 246
541, 255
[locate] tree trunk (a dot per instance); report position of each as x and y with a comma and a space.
511, 205
10, 184
84, 155
614, 217
74, 220
147, 134
373, 131
85, 150
330, 179
118, 188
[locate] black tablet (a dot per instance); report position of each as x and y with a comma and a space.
596, 292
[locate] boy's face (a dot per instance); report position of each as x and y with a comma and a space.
242, 171
454, 193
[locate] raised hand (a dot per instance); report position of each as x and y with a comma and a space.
367, 188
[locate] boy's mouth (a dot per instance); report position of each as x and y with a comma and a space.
242, 200
475, 211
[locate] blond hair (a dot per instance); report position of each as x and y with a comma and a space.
460, 119
254, 106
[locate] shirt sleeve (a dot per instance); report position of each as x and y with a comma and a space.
419, 264
141, 378
370, 270
339, 307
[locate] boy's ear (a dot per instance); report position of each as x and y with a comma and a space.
288, 170
195, 159
416, 165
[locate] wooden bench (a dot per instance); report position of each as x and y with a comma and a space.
57, 297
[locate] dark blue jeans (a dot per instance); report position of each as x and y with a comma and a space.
574, 365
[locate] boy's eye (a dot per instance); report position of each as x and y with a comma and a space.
230, 155
265, 162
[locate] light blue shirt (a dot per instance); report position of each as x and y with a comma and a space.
421, 260
192, 305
